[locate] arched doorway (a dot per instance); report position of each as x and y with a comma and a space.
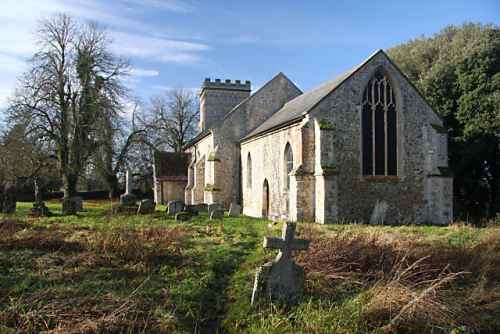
265, 199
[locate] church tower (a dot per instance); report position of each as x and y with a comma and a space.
218, 98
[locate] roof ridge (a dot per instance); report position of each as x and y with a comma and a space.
341, 79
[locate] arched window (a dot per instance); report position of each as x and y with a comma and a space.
249, 171
288, 164
379, 137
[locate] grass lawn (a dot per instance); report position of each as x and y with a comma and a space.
102, 273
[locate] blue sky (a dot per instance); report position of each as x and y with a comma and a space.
173, 42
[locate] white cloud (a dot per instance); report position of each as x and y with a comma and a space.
155, 48
139, 72
124, 20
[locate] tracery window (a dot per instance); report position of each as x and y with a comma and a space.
249, 171
288, 164
379, 128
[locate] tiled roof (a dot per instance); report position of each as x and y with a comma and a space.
171, 165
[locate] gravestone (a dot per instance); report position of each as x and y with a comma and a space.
128, 199
192, 209
39, 210
234, 210
69, 206
281, 279
129, 183
217, 215
174, 207
212, 207
183, 216
202, 207
79, 202
379, 213
146, 207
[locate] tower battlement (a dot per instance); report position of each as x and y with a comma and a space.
218, 97
227, 84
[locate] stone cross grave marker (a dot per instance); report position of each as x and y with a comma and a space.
129, 183
281, 279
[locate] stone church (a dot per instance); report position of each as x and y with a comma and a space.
327, 155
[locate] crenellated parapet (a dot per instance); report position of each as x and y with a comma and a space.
226, 85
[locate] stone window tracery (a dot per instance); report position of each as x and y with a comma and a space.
379, 128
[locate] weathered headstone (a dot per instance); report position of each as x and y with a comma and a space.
202, 208
174, 207
183, 216
39, 210
69, 206
79, 202
146, 207
281, 279
379, 213
192, 209
212, 207
128, 200
217, 214
234, 210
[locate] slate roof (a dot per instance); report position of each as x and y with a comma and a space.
295, 109
171, 165
298, 107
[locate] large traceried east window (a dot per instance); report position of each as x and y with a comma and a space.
379, 136
249, 171
288, 164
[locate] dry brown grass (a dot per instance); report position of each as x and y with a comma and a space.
148, 245
410, 286
414, 299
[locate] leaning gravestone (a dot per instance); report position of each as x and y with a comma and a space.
79, 202
234, 210
281, 279
69, 206
183, 216
212, 207
174, 207
379, 213
217, 215
146, 207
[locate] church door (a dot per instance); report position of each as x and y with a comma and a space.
265, 199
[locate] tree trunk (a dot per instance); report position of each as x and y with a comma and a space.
113, 186
69, 185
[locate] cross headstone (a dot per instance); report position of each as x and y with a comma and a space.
281, 279
128, 183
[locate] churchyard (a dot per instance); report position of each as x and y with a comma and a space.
102, 272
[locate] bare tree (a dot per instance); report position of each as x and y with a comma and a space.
73, 80
173, 118
116, 136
